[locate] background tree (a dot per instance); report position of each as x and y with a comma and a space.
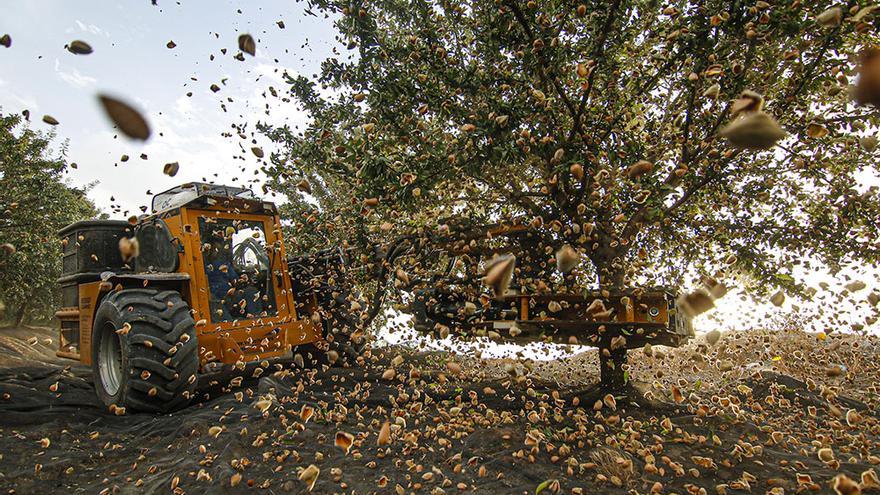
598, 123
35, 203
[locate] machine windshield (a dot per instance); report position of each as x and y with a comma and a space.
238, 267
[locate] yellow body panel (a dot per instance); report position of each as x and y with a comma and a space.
637, 311
247, 340
227, 342
90, 295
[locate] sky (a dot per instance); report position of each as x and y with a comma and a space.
132, 61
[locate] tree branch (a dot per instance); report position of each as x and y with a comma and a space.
597, 55
520, 17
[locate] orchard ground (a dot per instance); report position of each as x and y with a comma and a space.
753, 413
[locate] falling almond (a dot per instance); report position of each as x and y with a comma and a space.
305, 414
170, 169
344, 440
126, 118
870, 481
50, 120
247, 44
384, 435
778, 298
830, 18
867, 90
748, 102
816, 131
79, 47
298, 360
6, 40
263, 405
843, 485
310, 475
855, 286
712, 91
753, 131
610, 402
257, 151
453, 368
567, 259
639, 169
853, 418
129, 248
676, 395
499, 273
716, 289
595, 307
696, 302
304, 186
714, 70
713, 337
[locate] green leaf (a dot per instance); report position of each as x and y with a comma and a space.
543, 486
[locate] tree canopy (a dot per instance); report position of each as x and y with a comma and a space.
35, 202
599, 125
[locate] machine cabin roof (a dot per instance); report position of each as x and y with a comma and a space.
210, 196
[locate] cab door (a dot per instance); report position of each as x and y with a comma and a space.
240, 270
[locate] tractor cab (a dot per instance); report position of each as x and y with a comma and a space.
232, 249
199, 284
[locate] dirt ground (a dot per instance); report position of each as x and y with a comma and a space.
758, 412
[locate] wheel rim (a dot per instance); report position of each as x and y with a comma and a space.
110, 360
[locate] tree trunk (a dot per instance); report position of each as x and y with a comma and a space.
613, 365
20, 315
612, 372
609, 266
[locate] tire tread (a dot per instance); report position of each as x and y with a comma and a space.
161, 318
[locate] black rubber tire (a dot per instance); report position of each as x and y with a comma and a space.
159, 353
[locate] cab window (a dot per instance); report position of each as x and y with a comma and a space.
238, 268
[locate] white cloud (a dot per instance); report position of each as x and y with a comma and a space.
90, 28
74, 77
183, 105
10, 101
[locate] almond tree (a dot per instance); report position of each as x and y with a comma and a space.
35, 202
660, 140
